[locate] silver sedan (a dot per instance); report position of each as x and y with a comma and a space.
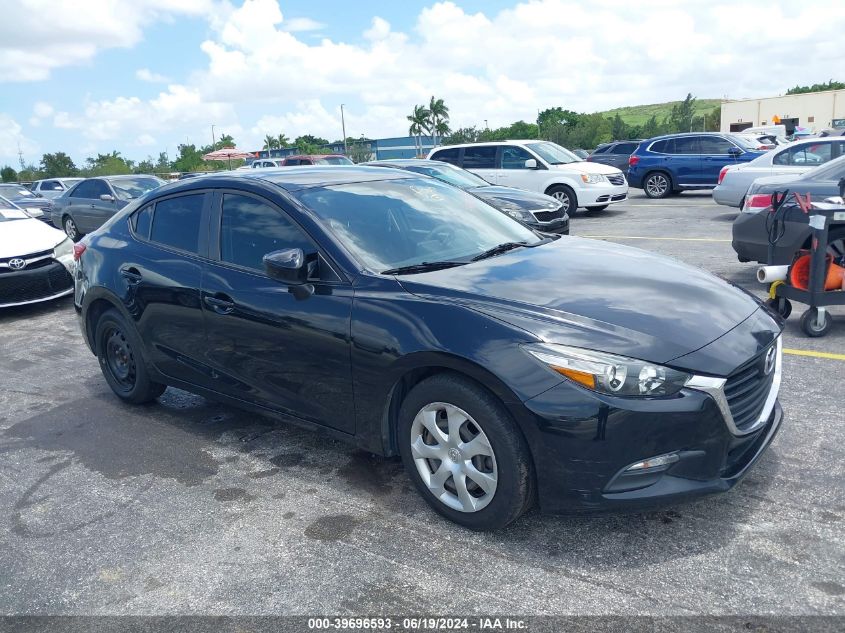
789, 160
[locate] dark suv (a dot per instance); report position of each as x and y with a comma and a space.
670, 164
615, 154
411, 318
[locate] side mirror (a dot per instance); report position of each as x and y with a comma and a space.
107, 197
735, 151
288, 266
531, 163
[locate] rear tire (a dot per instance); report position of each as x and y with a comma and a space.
119, 353
657, 184
70, 229
464, 453
567, 198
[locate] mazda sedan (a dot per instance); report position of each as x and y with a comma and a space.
410, 318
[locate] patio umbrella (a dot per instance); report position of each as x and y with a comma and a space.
227, 153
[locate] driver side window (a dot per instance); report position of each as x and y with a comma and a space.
249, 229
514, 157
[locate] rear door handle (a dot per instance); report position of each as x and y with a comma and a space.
221, 304
131, 274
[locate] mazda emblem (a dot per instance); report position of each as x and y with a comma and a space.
769, 364
17, 263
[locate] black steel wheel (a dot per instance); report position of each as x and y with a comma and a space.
123, 367
814, 326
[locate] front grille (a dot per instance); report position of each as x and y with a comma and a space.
746, 391
548, 216
29, 285
616, 179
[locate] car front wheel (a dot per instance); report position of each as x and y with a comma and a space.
464, 453
657, 185
566, 197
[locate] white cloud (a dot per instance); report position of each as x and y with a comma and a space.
145, 74
38, 36
295, 25
13, 140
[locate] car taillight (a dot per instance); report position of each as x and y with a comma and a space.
722, 173
766, 147
78, 249
758, 201
633, 160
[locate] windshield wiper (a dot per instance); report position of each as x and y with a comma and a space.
422, 267
498, 250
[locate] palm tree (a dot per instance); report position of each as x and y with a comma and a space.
438, 113
442, 129
282, 141
270, 142
419, 119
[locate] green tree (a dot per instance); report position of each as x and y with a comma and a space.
438, 112
28, 173
618, 128
190, 159
146, 166
7, 174
830, 85
226, 140
462, 135
107, 165
163, 163
651, 127
359, 151
282, 141
271, 142
682, 115
58, 165
419, 125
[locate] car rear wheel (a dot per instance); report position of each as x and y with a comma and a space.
657, 185
464, 453
118, 351
567, 198
70, 228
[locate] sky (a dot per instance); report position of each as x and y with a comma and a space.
143, 76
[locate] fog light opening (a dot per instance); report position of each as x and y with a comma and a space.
660, 461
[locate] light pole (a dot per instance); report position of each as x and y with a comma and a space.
343, 125
213, 139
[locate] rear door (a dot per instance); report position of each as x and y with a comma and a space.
162, 280
481, 160
715, 154
281, 346
83, 201
618, 155
684, 160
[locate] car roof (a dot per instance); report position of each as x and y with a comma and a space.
406, 162
296, 178
314, 156
505, 142
677, 134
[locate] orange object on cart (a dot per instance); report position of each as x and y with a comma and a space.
799, 274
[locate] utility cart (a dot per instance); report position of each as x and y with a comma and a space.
815, 321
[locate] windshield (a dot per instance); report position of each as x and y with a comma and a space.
553, 153
744, 142
451, 174
10, 211
131, 188
393, 223
16, 191
333, 160
834, 170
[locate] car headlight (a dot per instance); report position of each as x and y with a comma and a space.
592, 179
608, 373
516, 212
63, 249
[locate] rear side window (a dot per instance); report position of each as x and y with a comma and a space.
659, 146
451, 155
686, 145
249, 229
176, 222
625, 148
480, 157
142, 221
601, 150
805, 155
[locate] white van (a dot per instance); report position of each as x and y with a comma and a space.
542, 167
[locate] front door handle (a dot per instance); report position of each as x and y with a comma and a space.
131, 274
221, 304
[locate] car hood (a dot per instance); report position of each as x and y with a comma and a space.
22, 237
596, 295
587, 167
524, 199
31, 203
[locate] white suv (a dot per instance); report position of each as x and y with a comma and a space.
540, 166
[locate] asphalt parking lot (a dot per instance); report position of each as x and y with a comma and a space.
187, 506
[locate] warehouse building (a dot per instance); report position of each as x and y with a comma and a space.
815, 111
380, 149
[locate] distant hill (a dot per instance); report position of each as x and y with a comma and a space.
638, 115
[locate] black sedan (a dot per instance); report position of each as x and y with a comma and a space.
537, 210
37, 207
751, 227
409, 317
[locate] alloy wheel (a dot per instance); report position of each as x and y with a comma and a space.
70, 228
657, 185
563, 197
454, 457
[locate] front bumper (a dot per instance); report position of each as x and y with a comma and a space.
601, 194
34, 285
559, 227
584, 445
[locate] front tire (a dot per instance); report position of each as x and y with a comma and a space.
119, 353
657, 185
464, 453
567, 198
